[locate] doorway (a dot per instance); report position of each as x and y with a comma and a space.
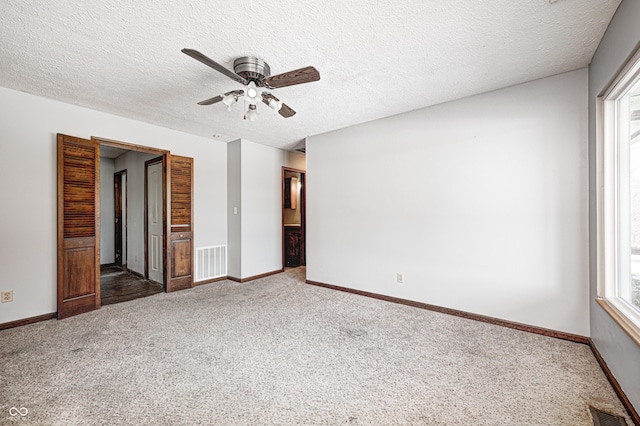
293, 218
81, 224
123, 245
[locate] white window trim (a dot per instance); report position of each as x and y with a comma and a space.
627, 316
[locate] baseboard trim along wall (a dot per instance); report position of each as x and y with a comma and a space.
209, 281
615, 385
137, 274
26, 321
255, 277
468, 315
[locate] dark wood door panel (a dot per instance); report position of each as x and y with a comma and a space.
78, 226
181, 260
293, 249
181, 224
79, 272
181, 192
77, 306
79, 192
181, 254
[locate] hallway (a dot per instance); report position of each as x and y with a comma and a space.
117, 285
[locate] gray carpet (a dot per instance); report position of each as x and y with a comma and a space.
278, 351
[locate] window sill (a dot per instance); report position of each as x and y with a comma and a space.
632, 329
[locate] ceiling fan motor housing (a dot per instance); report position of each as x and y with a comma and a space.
252, 69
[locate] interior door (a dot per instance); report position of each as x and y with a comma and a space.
181, 231
155, 222
78, 226
119, 192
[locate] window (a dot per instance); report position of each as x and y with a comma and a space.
618, 158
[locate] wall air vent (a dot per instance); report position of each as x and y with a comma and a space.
211, 262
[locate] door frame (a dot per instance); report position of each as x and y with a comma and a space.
303, 207
118, 193
148, 163
80, 305
166, 177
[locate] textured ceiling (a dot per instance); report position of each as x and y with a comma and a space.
376, 58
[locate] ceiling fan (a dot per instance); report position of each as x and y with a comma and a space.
256, 75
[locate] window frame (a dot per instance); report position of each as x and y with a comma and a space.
608, 199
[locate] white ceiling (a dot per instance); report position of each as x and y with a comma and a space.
376, 58
111, 152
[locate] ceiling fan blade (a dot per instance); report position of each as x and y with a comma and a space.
284, 111
211, 101
218, 98
266, 97
291, 78
213, 64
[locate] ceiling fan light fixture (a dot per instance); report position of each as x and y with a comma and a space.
275, 105
252, 114
252, 91
229, 100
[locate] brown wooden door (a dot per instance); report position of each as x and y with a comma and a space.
78, 226
181, 224
293, 246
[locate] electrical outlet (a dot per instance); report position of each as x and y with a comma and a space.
399, 278
7, 296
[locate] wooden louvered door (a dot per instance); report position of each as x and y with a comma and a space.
78, 226
181, 224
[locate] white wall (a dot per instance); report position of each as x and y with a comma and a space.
295, 160
28, 132
255, 233
261, 208
481, 203
107, 212
133, 163
234, 208
254, 173
621, 354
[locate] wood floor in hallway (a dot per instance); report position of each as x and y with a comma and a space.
118, 285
